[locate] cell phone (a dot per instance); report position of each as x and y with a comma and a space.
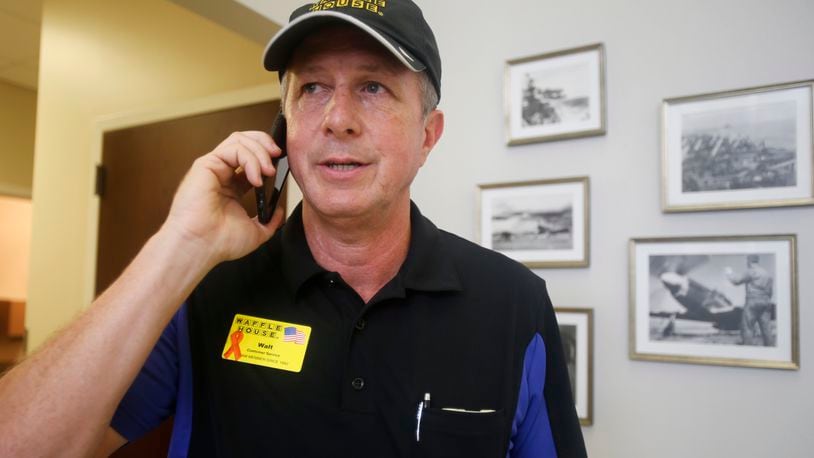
267, 201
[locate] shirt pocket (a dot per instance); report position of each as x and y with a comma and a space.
448, 434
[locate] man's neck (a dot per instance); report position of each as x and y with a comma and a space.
367, 254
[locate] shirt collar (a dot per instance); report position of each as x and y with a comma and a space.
428, 266
298, 262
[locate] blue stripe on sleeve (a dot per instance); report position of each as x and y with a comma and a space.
162, 388
531, 430
182, 424
151, 397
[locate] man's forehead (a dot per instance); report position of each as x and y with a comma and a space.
343, 39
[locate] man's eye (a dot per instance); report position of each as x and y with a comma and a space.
373, 87
309, 88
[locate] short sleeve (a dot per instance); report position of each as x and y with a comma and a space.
152, 397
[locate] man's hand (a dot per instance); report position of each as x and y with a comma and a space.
59, 387
206, 210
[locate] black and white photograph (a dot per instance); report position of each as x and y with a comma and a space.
556, 95
576, 334
553, 96
747, 148
568, 335
539, 223
531, 223
726, 300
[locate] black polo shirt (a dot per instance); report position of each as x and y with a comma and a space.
467, 326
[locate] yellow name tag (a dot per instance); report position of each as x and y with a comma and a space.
267, 343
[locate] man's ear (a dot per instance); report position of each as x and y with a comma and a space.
433, 128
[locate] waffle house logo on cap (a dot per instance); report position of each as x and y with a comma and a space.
374, 6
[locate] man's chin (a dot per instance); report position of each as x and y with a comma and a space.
339, 209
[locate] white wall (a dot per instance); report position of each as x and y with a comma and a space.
655, 50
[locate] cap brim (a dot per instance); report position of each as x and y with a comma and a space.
279, 49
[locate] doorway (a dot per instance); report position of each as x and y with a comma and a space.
140, 170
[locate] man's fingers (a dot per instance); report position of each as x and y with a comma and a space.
233, 153
263, 146
259, 152
251, 151
241, 160
264, 139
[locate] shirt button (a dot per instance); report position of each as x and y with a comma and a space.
360, 325
358, 383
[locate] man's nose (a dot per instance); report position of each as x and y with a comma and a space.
341, 115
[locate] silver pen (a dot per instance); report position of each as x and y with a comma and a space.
424, 404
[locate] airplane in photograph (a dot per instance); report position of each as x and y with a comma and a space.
706, 311
531, 223
702, 304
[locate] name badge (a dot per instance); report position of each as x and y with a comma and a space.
268, 343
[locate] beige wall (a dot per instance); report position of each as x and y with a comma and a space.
17, 117
101, 57
15, 239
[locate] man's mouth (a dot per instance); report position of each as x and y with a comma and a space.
343, 166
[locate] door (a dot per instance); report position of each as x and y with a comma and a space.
141, 169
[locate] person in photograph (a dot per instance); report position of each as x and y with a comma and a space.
408, 340
757, 310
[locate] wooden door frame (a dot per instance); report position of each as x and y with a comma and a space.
116, 121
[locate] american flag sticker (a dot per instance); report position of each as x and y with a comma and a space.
292, 334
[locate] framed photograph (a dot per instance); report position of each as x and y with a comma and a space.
539, 223
556, 95
577, 334
748, 148
715, 300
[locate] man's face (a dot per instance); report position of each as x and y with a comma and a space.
356, 132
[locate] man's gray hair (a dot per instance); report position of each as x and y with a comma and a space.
429, 96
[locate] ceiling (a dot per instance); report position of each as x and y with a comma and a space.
278, 10
20, 22
20, 42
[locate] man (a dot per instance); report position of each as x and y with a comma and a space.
358, 330
757, 310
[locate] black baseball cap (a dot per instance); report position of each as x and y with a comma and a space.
398, 25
